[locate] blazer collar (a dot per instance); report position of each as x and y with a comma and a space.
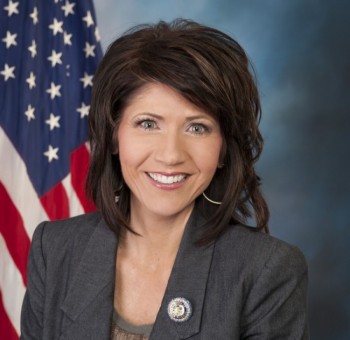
189, 280
95, 271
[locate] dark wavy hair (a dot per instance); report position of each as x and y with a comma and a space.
212, 71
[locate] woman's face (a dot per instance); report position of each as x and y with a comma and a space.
169, 151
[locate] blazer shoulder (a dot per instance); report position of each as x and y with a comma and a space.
72, 225
54, 236
256, 249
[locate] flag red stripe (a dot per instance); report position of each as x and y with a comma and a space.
7, 330
14, 233
80, 159
55, 203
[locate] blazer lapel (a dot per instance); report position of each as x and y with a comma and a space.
188, 280
95, 275
95, 271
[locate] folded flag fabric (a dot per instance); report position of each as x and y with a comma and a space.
49, 51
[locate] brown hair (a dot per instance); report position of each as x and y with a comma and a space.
211, 70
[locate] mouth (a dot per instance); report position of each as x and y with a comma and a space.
167, 179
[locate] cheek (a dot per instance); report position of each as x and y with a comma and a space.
133, 151
126, 148
207, 156
128, 153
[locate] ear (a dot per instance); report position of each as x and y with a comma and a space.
221, 162
115, 147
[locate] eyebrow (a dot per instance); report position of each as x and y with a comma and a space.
188, 119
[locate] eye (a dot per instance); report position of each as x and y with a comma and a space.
198, 129
147, 124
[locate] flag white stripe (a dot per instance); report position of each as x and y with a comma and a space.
75, 207
18, 185
11, 286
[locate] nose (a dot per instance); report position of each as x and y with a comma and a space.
171, 149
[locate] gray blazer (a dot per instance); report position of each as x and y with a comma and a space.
246, 285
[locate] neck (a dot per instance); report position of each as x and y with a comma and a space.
159, 236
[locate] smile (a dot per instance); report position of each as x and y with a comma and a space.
162, 179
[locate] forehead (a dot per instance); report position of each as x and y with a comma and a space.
162, 99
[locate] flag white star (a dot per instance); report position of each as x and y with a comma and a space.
54, 90
84, 110
11, 8
89, 50
55, 58
51, 153
68, 8
32, 48
7, 72
30, 113
31, 80
97, 34
67, 38
88, 19
10, 39
56, 26
53, 121
34, 16
87, 79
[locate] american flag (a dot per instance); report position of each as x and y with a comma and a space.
49, 50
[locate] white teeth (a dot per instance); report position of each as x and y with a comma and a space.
167, 179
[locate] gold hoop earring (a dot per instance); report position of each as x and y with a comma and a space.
209, 200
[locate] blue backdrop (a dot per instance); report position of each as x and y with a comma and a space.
301, 53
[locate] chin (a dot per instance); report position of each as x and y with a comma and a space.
169, 210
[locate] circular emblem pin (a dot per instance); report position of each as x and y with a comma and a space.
179, 309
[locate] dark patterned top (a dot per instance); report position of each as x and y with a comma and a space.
122, 330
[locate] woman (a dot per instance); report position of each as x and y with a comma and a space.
174, 140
